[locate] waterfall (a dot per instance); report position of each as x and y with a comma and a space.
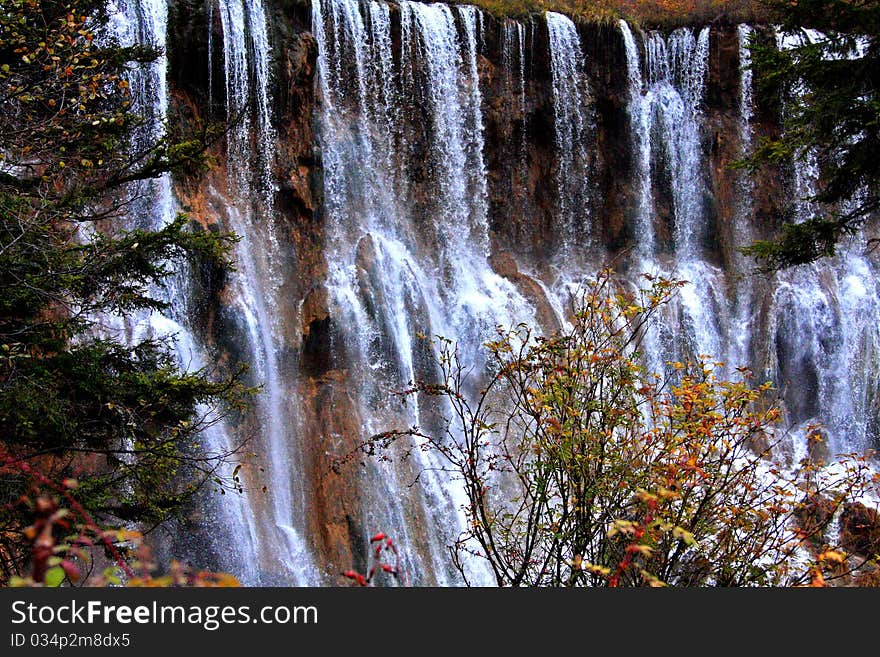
665, 108
746, 82
640, 113
409, 201
825, 321
570, 94
144, 22
676, 73
408, 255
744, 311
257, 281
513, 61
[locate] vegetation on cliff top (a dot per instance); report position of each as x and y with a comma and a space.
647, 13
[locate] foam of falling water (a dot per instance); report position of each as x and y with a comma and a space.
146, 22
457, 139
825, 319
677, 68
361, 187
744, 293
570, 95
250, 143
358, 186
513, 62
640, 112
746, 85
395, 273
664, 110
825, 322
521, 54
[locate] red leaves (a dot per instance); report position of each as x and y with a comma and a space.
380, 543
70, 570
359, 579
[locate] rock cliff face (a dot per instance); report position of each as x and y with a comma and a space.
354, 116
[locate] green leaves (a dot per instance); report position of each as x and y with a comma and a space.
70, 174
799, 244
54, 577
826, 92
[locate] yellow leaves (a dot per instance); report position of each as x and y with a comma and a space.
596, 569
125, 535
833, 556
644, 550
652, 580
817, 579
683, 535
625, 527
668, 493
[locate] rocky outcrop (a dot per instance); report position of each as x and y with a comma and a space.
860, 530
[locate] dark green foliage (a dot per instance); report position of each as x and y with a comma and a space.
837, 119
121, 418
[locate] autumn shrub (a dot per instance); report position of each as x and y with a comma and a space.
581, 467
384, 564
65, 545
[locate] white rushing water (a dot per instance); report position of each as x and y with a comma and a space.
825, 320
513, 56
398, 263
744, 308
401, 266
665, 107
570, 107
145, 22
259, 258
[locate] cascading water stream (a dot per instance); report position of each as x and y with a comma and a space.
144, 22
640, 111
250, 145
513, 61
825, 320
744, 313
664, 110
571, 122
401, 266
